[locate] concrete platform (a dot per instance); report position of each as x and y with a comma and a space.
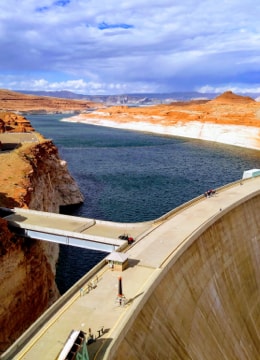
75, 231
32, 219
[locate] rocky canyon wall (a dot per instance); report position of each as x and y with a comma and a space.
27, 284
32, 176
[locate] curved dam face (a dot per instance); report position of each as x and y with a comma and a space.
205, 304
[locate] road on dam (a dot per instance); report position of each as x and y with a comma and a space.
94, 307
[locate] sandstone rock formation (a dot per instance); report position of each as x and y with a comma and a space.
32, 176
27, 284
10, 122
14, 101
229, 119
229, 97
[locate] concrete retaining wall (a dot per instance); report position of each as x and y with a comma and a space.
205, 304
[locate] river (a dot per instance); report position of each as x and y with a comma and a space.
130, 176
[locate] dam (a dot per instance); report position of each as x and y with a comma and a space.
191, 289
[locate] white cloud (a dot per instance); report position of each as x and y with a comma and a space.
228, 87
130, 45
78, 86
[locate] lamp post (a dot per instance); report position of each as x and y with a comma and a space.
120, 295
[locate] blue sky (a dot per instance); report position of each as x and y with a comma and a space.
130, 46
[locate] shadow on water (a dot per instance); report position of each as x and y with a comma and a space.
74, 263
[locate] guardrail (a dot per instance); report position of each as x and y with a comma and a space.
155, 279
195, 200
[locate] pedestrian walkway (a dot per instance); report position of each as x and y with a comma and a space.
71, 230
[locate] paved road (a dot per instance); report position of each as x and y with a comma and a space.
18, 137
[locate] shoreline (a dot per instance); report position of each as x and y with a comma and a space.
236, 135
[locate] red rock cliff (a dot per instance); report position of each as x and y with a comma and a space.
229, 118
32, 176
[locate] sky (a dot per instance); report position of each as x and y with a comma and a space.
130, 46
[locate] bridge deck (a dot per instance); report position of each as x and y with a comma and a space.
28, 218
72, 230
97, 307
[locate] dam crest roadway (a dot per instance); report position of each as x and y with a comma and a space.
191, 289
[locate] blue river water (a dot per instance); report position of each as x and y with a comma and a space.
130, 176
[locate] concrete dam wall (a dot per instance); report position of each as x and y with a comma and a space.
205, 303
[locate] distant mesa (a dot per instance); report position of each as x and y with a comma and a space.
14, 101
35, 103
230, 97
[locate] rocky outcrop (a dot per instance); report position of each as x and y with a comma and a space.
27, 284
14, 101
49, 184
10, 122
229, 119
229, 97
32, 176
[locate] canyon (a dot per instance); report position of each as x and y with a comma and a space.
34, 176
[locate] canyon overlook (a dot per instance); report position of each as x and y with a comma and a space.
41, 181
